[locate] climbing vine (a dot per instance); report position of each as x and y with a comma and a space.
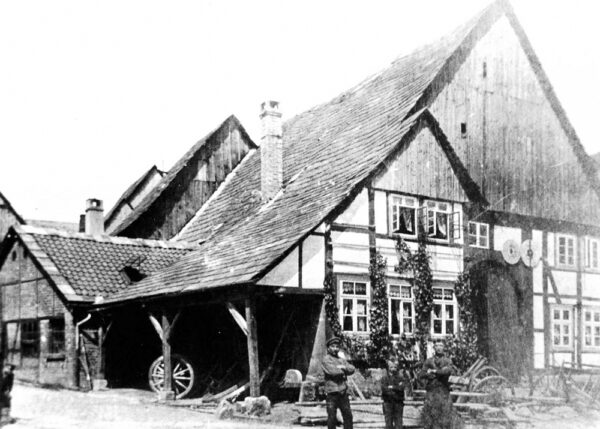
464, 347
422, 286
380, 340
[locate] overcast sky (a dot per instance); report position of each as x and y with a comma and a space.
93, 93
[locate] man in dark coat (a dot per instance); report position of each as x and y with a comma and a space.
336, 370
6, 385
392, 393
437, 410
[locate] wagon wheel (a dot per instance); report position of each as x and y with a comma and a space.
490, 383
183, 376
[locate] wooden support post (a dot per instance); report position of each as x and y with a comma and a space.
166, 350
164, 329
252, 346
71, 351
101, 353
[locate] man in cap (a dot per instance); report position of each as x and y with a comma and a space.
336, 370
437, 410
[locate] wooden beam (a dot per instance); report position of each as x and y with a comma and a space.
157, 326
252, 346
166, 351
239, 319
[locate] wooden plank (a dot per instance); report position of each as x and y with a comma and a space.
252, 341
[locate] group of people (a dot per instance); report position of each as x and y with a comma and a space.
436, 371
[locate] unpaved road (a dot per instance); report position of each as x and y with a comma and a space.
39, 408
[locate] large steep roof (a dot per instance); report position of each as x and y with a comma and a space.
329, 151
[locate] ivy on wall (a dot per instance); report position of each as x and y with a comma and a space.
464, 347
380, 340
422, 286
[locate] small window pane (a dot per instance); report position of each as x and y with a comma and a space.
361, 307
437, 326
437, 311
588, 316
437, 293
360, 289
449, 327
448, 294
566, 314
348, 323
596, 317
362, 324
556, 315
405, 293
348, 288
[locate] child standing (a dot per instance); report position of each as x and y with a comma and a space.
392, 393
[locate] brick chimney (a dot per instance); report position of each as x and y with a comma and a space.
271, 150
94, 217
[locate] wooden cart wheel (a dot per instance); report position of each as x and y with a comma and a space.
485, 371
183, 376
490, 383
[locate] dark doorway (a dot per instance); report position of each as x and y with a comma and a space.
502, 294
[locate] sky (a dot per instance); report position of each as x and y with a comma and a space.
93, 93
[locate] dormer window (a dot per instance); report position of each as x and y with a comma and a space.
403, 215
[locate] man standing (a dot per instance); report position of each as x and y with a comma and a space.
6, 385
392, 393
437, 410
336, 370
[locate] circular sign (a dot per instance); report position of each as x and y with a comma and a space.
511, 251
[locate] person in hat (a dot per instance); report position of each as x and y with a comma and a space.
336, 370
392, 393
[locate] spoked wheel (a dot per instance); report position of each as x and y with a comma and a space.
183, 376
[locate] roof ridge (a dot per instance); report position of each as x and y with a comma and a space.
28, 229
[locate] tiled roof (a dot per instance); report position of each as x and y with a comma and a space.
85, 266
168, 178
129, 191
328, 151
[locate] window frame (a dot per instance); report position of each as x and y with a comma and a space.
444, 302
478, 235
355, 298
573, 255
592, 262
594, 325
402, 300
562, 322
30, 338
401, 201
56, 336
431, 210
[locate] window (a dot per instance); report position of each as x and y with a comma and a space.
403, 216
565, 250
438, 216
591, 253
443, 318
56, 338
402, 318
354, 307
591, 327
562, 327
479, 234
30, 338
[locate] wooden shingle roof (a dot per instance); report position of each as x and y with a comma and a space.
329, 152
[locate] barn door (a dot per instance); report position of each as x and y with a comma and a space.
502, 335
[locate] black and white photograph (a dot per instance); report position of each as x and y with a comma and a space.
287, 214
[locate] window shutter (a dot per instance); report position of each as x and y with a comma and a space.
456, 227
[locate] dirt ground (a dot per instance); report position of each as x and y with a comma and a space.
35, 407
39, 408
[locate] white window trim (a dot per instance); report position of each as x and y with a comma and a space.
593, 324
443, 302
567, 237
561, 322
477, 235
393, 199
590, 264
402, 301
340, 300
